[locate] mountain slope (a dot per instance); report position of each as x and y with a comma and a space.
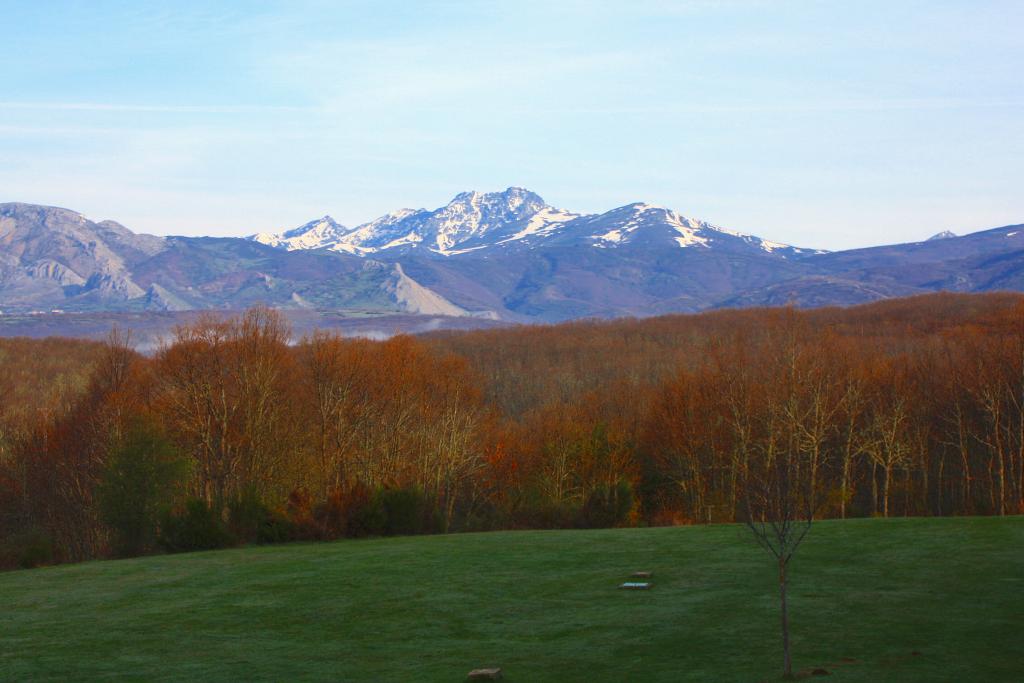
513, 254
52, 258
501, 255
49, 255
984, 261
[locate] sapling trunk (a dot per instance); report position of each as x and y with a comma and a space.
787, 663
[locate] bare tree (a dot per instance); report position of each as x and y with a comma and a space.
777, 478
221, 385
334, 380
888, 446
778, 508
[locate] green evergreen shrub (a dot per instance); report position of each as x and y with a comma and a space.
607, 506
195, 527
142, 474
27, 549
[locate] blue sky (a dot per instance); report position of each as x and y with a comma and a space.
823, 124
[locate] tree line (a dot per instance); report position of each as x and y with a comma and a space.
235, 431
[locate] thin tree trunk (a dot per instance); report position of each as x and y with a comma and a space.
874, 489
787, 662
885, 492
965, 463
908, 480
1002, 485
844, 486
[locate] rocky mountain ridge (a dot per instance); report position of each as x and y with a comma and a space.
514, 218
498, 256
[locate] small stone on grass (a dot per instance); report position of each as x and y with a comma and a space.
641, 575
485, 675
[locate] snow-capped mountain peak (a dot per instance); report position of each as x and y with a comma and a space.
638, 220
472, 215
515, 218
386, 232
312, 235
465, 223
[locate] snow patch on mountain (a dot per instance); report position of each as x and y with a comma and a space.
411, 238
615, 236
545, 221
689, 229
770, 246
766, 245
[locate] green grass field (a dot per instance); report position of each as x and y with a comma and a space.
872, 600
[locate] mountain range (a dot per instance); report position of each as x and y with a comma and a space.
505, 256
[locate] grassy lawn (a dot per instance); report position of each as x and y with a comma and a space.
872, 600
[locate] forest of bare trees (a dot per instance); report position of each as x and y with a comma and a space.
234, 431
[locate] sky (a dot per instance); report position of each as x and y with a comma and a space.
821, 124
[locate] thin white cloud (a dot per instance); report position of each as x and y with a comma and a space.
162, 108
787, 107
444, 73
412, 87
